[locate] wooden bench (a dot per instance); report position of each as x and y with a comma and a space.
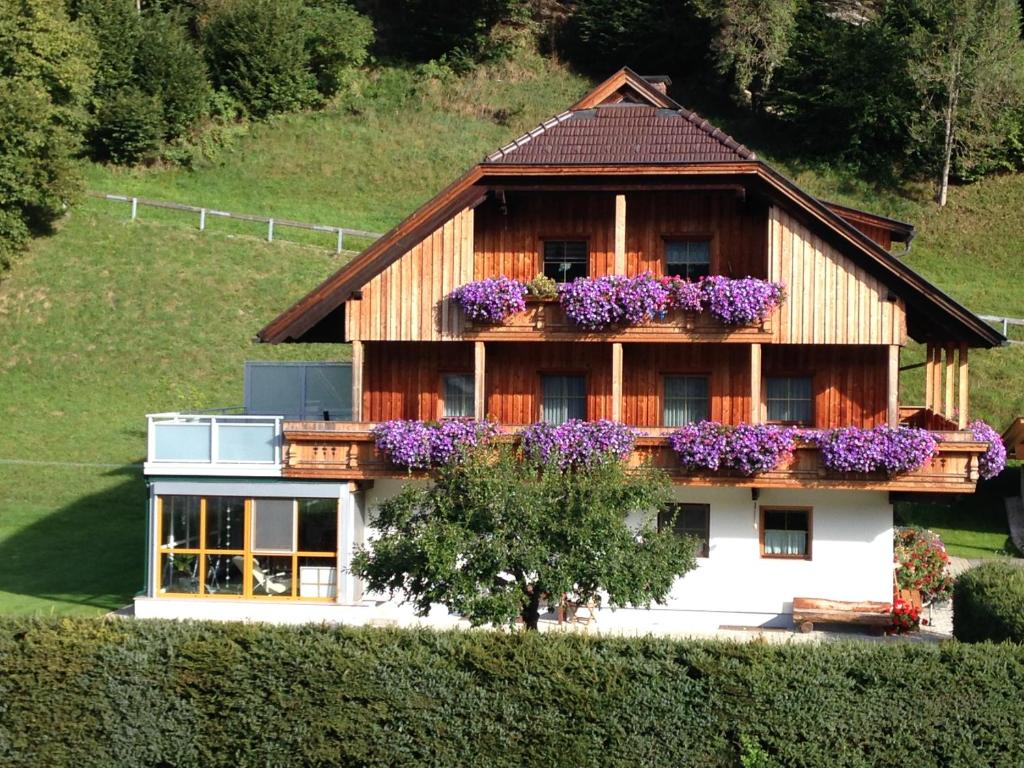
808, 610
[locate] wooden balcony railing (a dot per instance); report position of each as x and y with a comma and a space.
346, 451
545, 319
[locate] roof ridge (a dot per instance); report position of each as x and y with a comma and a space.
525, 138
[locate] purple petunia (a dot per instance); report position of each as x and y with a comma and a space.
745, 301
892, 450
748, 448
993, 461
700, 446
491, 300
421, 445
577, 443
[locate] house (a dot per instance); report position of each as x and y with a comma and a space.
257, 516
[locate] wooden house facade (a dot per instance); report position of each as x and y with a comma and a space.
625, 182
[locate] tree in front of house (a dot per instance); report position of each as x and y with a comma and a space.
496, 537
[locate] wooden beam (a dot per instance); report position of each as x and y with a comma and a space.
357, 380
893, 404
620, 234
963, 416
936, 378
928, 399
947, 404
617, 381
479, 380
755, 383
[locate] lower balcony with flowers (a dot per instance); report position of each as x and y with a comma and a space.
704, 454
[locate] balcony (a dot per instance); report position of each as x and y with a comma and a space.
545, 319
346, 451
225, 446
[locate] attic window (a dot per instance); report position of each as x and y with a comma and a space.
565, 260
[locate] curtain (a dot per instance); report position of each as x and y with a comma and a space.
563, 398
785, 542
458, 396
685, 400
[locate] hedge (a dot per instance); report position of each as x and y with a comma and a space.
988, 604
149, 693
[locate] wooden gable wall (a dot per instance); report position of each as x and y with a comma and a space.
408, 300
829, 299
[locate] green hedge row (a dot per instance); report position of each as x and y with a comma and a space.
148, 693
988, 604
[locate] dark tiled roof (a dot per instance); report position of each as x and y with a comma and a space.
623, 133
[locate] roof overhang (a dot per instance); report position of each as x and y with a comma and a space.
932, 315
1013, 438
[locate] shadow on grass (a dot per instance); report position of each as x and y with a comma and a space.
89, 553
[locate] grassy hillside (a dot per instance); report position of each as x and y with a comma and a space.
108, 320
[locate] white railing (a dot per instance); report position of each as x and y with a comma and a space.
204, 444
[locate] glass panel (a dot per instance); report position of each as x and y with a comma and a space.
180, 522
689, 259
181, 442
246, 442
458, 395
685, 401
273, 525
179, 574
318, 577
272, 576
563, 398
318, 525
224, 574
689, 520
790, 399
225, 522
565, 260
275, 390
328, 393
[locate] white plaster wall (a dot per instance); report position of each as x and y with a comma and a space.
851, 560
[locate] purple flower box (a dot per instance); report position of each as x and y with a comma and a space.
491, 300
993, 461
749, 449
421, 445
577, 443
746, 301
892, 450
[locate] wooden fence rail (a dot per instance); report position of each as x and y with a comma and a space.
1005, 323
271, 222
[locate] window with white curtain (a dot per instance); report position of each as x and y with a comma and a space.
790, 399
563, 398
458, 389
684, 401
786, 533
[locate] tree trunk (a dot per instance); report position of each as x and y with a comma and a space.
948, 124
531, 611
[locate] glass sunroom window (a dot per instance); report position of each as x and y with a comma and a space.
685, 400
790, 399
458, 393
565, 260
563, 398
688, 259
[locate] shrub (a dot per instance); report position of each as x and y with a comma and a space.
129, 127
923, 563
337, 41
257, 50
131, 693
542, 285
988, 604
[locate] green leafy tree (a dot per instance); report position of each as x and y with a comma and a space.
46, 70
337, 41
494, 536
967, 64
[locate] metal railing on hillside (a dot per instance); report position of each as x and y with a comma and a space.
271, 222
1005, 323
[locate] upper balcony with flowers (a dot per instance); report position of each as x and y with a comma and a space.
614, 307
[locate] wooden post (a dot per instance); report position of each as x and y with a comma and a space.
270, 230
357, 380
755, 383
620, 234
202, 219
893, 405
947, 405
617, 381
963, 416
135, 211
341, 240
936, 378
928, 377
479, 380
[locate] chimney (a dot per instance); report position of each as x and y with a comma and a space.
660, 83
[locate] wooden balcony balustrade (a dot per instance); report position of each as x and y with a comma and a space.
545, 319
346, 451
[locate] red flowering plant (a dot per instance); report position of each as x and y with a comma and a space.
922, 564
906, 617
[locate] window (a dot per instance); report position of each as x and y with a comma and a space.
565, 260
685, 400
790, 400
563, 398
689, 520
232, 546
786, 533
689, 259
457, 392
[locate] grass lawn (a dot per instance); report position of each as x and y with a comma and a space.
973, 527
108, 320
